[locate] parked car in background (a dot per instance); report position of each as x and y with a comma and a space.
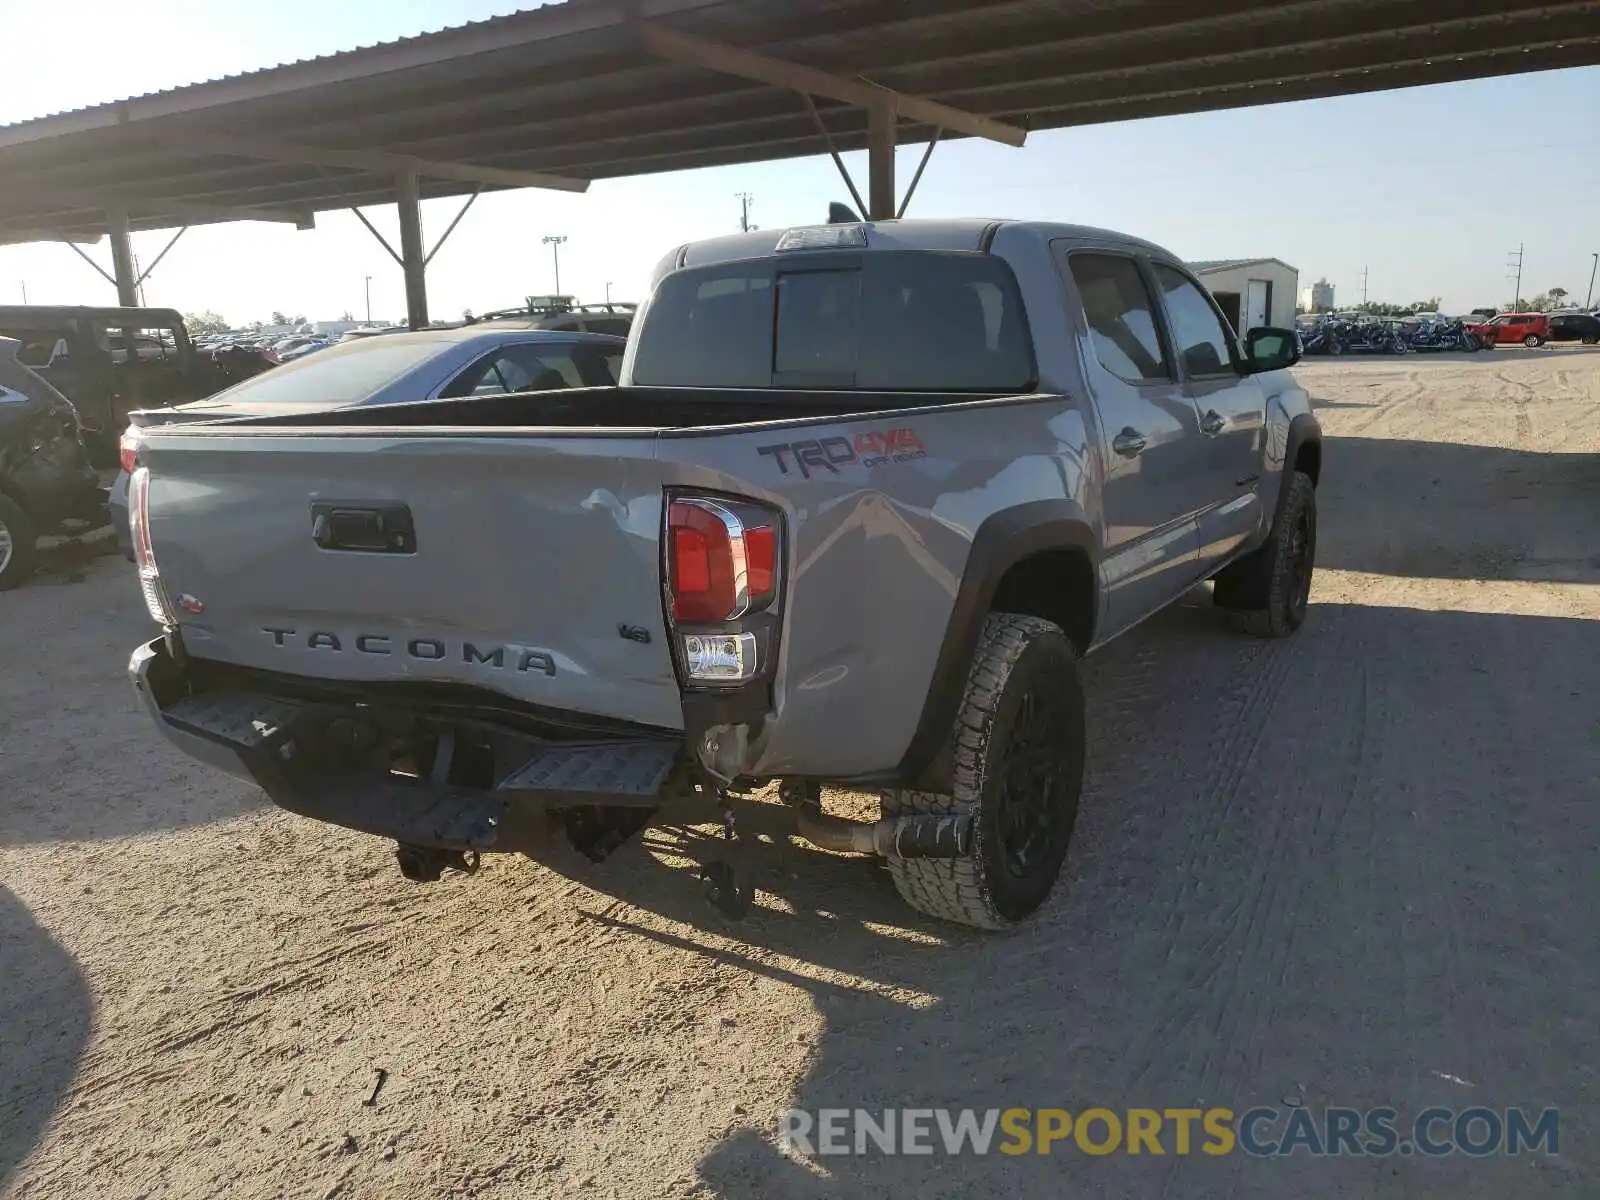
46, 480
367, 331
475, 360
1510, 329
110, 361
1579, 327
309, 346
563, 315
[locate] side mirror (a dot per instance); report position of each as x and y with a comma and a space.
1269, 349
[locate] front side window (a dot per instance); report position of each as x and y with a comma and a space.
1120, 314
1202, 342
885, 321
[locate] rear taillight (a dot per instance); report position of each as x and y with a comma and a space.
155, 599
128, 448
722, 581
720, 565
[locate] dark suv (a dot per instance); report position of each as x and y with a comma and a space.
110, 361
1575, 327
45, 476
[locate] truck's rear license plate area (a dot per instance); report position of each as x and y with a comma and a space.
304, 740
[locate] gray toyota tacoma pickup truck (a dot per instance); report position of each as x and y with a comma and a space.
865, 497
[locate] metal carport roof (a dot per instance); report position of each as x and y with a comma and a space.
596, 89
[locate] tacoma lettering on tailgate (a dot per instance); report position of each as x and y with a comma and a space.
516, 658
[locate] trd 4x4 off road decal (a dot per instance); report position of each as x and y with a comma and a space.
869, 448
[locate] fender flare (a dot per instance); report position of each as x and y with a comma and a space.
1004, 539
1304, 429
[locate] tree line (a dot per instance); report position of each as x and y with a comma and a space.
1544, 302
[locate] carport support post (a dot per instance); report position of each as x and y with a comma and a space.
122, 258
881, 118
413, 260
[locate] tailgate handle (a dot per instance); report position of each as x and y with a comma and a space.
370, 528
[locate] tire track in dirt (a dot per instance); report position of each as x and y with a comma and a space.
1181, 917
1523, 430
1198, 922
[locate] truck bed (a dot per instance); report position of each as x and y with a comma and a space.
629, 408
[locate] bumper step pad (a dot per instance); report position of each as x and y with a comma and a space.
596, 772
252, 722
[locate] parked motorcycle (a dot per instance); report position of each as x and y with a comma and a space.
1373, 336
1323, 337
1439, 335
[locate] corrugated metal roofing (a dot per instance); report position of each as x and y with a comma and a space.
1210, 266
569, 89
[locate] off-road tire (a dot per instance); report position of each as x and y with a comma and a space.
1017, 655
19, 526
1266, 590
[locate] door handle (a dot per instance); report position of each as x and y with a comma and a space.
1128, 443
1212, 423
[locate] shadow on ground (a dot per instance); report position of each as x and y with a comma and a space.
1450, 511
1354, 868
79, 759
45, 1015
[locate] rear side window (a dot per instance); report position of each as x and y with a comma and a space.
18, 385
347, 373
889, 321
533, 367
1121, 317
41, 347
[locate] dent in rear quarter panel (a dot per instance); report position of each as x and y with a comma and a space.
875, 556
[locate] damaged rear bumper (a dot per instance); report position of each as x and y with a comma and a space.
399, 772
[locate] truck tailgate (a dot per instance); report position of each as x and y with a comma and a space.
527, 565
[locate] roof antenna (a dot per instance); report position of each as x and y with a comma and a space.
842, 214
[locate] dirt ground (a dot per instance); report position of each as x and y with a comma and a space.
1353, 868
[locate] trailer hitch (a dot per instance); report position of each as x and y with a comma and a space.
425, 864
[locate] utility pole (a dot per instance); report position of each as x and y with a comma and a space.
744, 199
554, 242
608, 291
369, 299
25, 289
1363, 285
1588, 300
1515, 261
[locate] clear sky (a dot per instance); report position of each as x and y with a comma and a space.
1428, 188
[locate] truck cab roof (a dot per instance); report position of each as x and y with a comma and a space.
970, 234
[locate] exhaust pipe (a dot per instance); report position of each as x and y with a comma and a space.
904, 837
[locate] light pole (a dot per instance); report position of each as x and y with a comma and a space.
369, 299
554, 242
25, 289
1588, 301
608, 291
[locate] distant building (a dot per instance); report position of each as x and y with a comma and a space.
1252, 291
332, 327
1318, 298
